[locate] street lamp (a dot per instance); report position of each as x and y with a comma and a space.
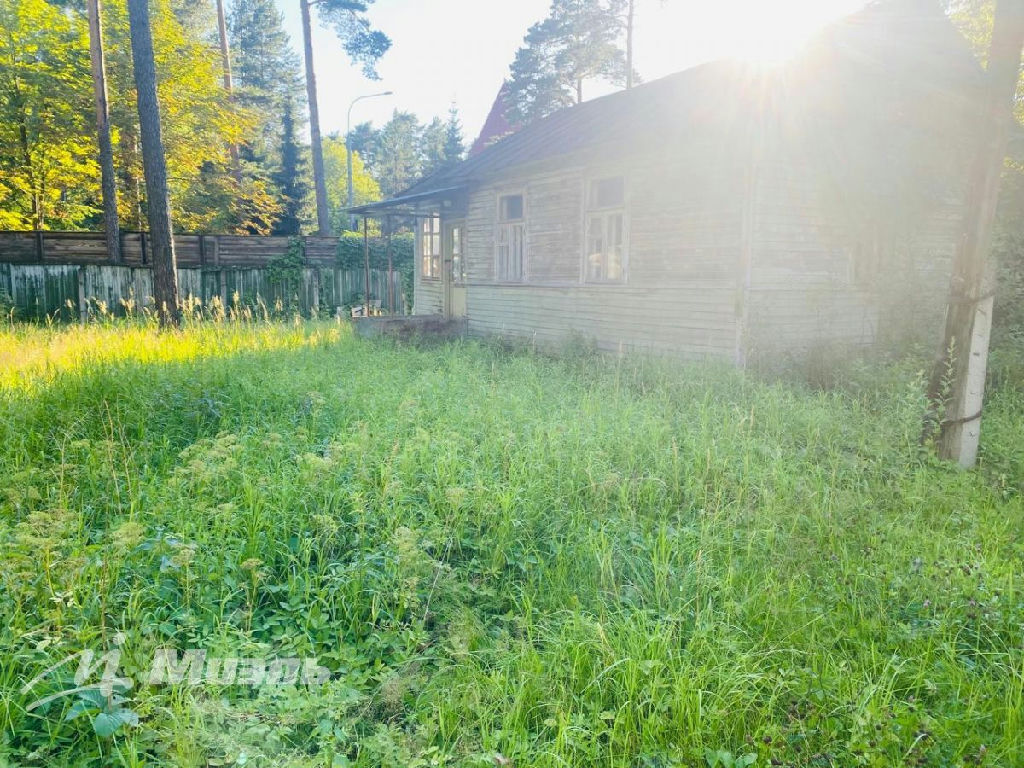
348, 149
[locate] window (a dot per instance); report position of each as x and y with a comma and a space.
511, 239
430, 247
606, 231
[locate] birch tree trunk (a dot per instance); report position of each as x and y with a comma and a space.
154, 165
957, 384
108, 181
323, 219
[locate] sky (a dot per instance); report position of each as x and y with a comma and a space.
446, 51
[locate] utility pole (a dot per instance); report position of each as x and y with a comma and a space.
957, 385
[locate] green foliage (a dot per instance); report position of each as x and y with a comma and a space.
974, 19
287, 269
441, 143
49, 177
8, 310
363, 44
502, 558
351, 255
266, 74
454, 146
578, 41
198, 123
364, 187
404, 150
720, 758
398, 153
290, 178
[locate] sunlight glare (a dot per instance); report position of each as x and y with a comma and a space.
767, 33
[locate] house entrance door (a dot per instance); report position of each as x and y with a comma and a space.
455, 269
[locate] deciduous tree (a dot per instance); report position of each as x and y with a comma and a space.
364, 187
48, 170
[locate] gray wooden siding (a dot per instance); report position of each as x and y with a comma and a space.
680, 294
692, 239
803, 288
693, 322
428, 295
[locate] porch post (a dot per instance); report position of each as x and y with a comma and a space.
366, 260
391, 290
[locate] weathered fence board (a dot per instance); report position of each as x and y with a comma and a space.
68, 274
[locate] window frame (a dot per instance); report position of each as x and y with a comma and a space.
460, 274
499, 225
592, 210
436, 259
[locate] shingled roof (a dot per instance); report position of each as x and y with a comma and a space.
906, 41
496, 126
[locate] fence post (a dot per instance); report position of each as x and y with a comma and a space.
39, 246
339, 283
83, 309
222, 286
202, 270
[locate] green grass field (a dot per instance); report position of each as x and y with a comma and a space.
501, 557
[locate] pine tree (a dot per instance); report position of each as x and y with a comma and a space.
399, 159
578, 41
289, 178
364, 46
165, 279
108, 178
432, 146
266, 71
454, 146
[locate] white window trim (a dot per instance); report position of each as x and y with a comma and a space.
419, 248
498, 223
448, 244
586, 213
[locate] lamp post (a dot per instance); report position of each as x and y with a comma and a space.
348, 149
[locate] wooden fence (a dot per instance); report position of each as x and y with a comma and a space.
68, 274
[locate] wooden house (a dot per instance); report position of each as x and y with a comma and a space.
723, 211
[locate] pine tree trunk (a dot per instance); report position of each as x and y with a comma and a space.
108, 181
154, 165
323, 219
629, 43
225, 61
957, 383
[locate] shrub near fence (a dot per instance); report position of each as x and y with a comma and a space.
68, 275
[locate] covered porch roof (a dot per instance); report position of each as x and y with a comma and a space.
408, 204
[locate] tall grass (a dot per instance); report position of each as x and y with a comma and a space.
500, 556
